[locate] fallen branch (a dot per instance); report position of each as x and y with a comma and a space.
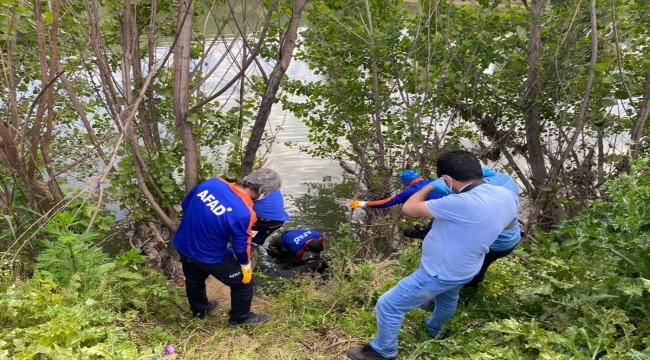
336, 344
306, 344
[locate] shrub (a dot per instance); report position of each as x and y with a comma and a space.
79, 300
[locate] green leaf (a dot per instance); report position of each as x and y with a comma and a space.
621, 94
600, 67
48, 17
192, 118
521, 33
234, 139
104, 268
607, 103
608, 80
128, 275
646, 284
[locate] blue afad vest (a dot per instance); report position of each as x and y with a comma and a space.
296, 240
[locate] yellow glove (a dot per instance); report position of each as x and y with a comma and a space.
247, 273
357, 204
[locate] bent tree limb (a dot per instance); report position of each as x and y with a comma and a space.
82, 115
641, 118
251, 58
280, 68
124, 116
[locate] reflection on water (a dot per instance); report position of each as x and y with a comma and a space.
321, 207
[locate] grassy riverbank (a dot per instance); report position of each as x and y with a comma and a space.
519, 313
579, 292
320, 321
135, 316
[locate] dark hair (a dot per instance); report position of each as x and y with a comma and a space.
461, 165
314, 246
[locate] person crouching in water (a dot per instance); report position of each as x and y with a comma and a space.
291, 246
290, 253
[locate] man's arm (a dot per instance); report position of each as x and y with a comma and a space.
416, 204
400, 198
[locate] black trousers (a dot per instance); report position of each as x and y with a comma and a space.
490, 257
229, 273
264, 229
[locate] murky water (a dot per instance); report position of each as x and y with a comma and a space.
312, 186
314, 190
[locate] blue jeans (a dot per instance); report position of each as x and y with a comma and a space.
413, 291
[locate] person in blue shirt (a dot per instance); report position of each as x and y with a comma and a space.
412, 181
214, 238
466, 223
292, 245
270, 216
505, 243
507, 240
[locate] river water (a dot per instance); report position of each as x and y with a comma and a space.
314, 189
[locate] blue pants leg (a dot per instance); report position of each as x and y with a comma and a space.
412, 291
446, 303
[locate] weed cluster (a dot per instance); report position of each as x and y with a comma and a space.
79, 303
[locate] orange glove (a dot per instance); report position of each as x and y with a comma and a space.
357, 204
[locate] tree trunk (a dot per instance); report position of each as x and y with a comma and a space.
280, 68
547, 209
381, 154
36, 190
181, 92
532, 99
52, 182
151, 121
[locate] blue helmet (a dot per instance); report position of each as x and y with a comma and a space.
407, 176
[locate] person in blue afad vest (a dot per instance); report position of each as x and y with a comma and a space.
466, 223
214, 238
412, 181
270, 216
292, 245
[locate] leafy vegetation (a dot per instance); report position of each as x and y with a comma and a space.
79, 303
549, 90
581, 291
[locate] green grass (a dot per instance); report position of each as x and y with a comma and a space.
505, 319
523, 310
309, 321
321, 321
